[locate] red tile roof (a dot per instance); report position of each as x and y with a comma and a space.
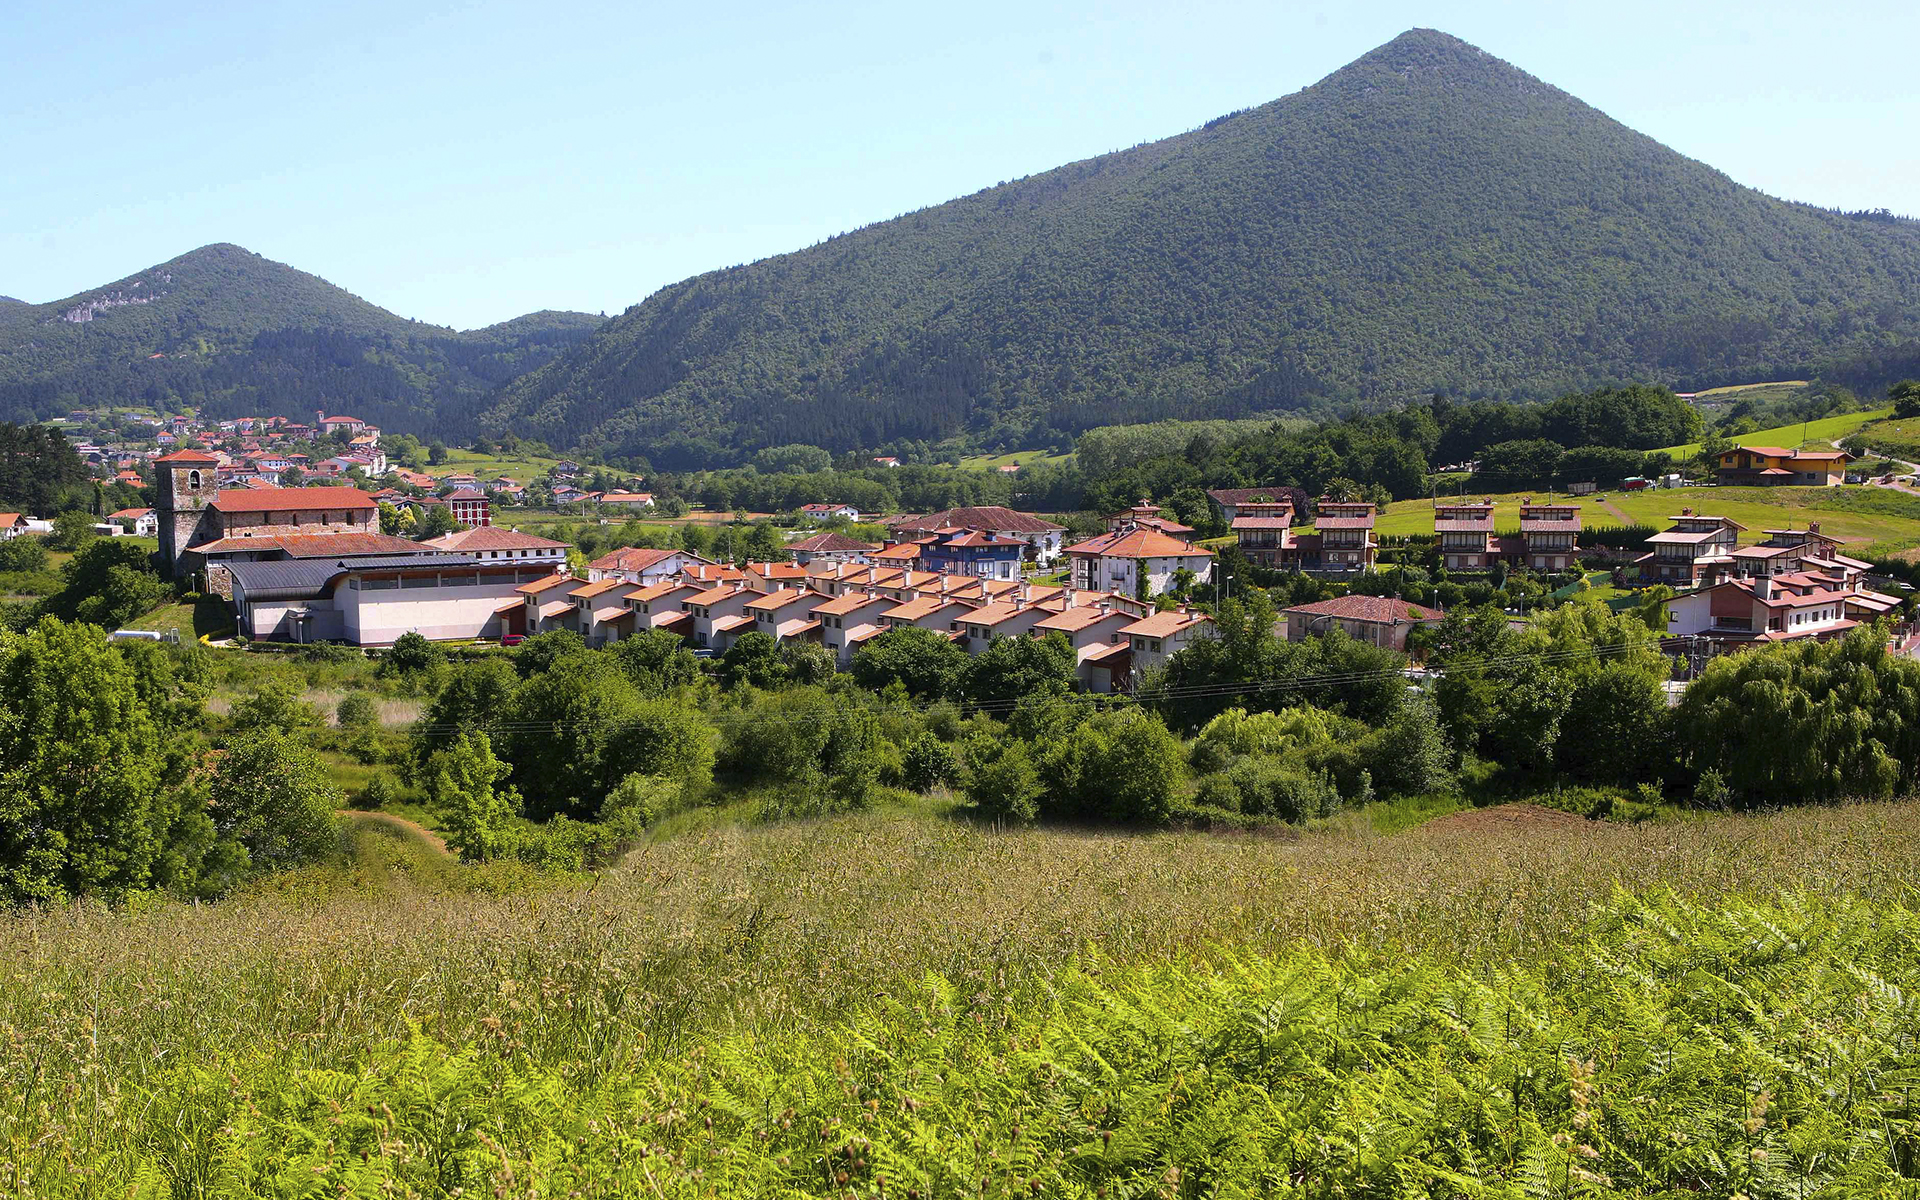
992, 518
832, 543
293, 499
187, 456
1377, 610
631, 558
492, 537
1165, 624
1138, 543
314, 545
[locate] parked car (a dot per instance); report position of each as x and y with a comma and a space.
512, 639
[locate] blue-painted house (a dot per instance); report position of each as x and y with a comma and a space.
970, 552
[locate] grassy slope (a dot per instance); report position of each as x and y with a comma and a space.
1823, 432
783, 933
1880, 518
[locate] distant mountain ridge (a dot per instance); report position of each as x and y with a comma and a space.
232, 332
1428, 217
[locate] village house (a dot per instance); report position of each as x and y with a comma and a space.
829, 548
1042, 538
637, 564
1229, 501
1002, 618
939, 613
1693, 549
492, 544
1260, 529
720, 614
1155, 639
849, 620
141, 522
969, 552
1465, 533
786, 614
1345, 530
1103, 658
1791, 551
631, 500
1771, 465
829, 512
1145, 515
1774, 608
601, 612
548, 604
1136, 562
469, 506
1377, 620
663, 606
1549, 534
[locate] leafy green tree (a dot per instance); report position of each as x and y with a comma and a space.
656, 661
23, 554
1615, 728
1120, 764
1013, 668
820, 751
271, 795
580, 727
476, 695
436, 454
275, 707
1001, 780
806, 662
1906, 398
86, 803
461, 784
923, 661
928, 763
71, 530
753, 661
437, 522
107, 583
411, 653
1807, 721
539, 652
356, 710
1410, 755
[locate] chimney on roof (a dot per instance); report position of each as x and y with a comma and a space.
1763, 587
1813, 527
1686, 512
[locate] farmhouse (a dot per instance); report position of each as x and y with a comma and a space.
1377, 620
1765, 465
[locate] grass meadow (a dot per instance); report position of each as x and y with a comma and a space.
903, 1003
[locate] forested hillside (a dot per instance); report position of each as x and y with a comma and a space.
233, 333
1427, 218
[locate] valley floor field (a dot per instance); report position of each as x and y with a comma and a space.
850, 1005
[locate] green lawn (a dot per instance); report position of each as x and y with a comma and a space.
988, 462
1861, 516
1827, 429
519, 467
1896, 437
209, 617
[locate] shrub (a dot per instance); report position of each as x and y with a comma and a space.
381, 790
411, 653
356, 710
1001, 780
929, 763
1270, 787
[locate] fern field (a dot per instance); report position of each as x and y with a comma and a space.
1625, 1039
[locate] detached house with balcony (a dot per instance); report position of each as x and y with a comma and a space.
1465, 533
1774, 609
1549, 535
1260, 529
1695, 548
1791, 551
1376, 620
970, 552
1136, 562
1345, 531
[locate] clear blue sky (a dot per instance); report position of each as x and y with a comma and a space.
466, 162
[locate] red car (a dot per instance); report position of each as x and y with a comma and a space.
512, 639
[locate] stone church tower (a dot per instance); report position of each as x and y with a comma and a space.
183, 487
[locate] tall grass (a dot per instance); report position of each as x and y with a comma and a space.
787, 931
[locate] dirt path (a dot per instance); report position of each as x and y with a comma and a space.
401, 826
1613, 510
